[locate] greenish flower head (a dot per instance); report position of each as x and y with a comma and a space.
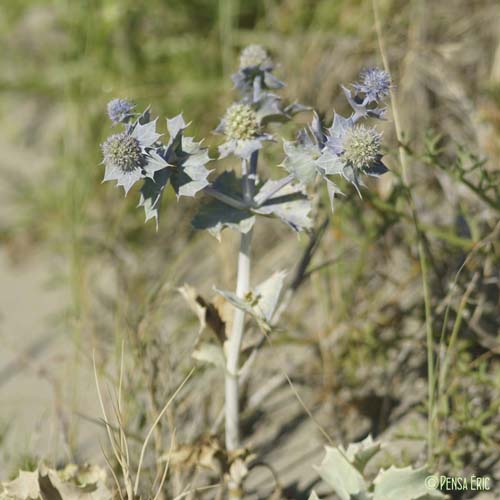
123, 151
361, 146
253, 55
240, 122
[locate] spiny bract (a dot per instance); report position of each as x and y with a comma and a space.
240, 122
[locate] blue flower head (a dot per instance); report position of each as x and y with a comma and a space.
119, 110
375, 84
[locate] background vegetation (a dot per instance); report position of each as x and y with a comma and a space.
361, 315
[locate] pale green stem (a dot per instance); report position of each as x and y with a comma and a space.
234, 347
232, 409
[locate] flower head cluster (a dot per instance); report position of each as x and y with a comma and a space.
255, 73
137, 154
240, 122
361, 147
242, 126
375, 84
119, 110
254, 56
123, 152
130, 155
346, 148
369, 94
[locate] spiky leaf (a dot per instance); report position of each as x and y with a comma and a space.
342, 476
407, 483
292, 206
215, 215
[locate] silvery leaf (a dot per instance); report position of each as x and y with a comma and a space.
292, 207
316, 129
260, 302
329, 163
266, 189
176, 125
269, 109
351, 175
188, 181
271, 82
268, 294
341, 476
407, 483
245, 148
215, 215
333, 190
146, 133
340, 125
245, 304
152, 192
300, 161
360, 453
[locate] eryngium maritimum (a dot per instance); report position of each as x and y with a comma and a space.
119, 110
130, 156
361, 147
375, 84
122, 151
253, 55
240, 122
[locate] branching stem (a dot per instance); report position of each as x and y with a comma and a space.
228, 200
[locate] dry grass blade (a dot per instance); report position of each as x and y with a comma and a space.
155, 423
165, 471
195, 490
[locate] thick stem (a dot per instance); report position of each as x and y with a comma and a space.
234, 347
232, 406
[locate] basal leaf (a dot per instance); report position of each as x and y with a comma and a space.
405, 483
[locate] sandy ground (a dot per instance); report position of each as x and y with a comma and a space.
41, 411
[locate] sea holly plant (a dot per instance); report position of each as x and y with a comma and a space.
236, 199
343, 471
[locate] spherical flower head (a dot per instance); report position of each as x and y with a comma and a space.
122, 151
119, 110
253, 55
240, 122
361, 147
375, 83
